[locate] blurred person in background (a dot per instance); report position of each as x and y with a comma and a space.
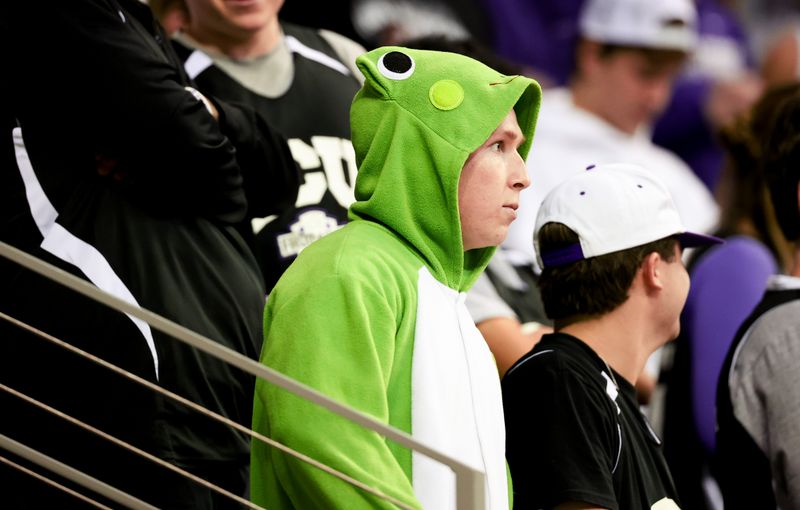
720, 82
302, 80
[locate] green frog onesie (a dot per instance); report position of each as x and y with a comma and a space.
373, 315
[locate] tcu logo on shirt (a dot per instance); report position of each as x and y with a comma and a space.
328, 164
310, 226
324, 164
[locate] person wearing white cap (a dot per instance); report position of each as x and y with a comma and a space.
609, 240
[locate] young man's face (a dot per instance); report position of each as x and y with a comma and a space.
631, 86
489, 186
235, 19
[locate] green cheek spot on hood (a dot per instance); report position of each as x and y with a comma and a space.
446, 94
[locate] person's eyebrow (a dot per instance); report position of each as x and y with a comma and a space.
513, 134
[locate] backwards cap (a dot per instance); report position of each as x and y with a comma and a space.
611, 207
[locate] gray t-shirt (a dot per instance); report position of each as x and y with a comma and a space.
764, 384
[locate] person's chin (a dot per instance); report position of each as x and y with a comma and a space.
501, 236
675, 333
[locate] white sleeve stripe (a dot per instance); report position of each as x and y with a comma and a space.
619, 449
197, 63
611, 387
67, 247
317, 56
530, 357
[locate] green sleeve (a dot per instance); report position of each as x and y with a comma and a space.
339, 337
510, 487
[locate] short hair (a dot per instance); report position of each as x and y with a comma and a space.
781, 159
657, 55
595, 286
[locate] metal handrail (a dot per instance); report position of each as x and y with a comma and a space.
470, 490
73, 474
202, 410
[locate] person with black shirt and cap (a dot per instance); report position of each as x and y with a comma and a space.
609, 240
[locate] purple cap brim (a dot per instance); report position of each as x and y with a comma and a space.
692, 240
562, 256
573, 252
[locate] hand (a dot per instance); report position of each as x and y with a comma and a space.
107, 166
730, 98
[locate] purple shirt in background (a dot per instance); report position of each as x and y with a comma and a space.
540, 34
727, 283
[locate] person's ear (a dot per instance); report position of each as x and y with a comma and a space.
652, 272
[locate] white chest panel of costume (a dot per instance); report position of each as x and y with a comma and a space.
455, 398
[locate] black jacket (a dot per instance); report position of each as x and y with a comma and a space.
92, 84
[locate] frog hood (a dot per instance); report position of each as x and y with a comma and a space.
415, 121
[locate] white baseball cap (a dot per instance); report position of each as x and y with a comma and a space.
611, 207
657, 24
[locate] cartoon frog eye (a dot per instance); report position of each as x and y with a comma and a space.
396, 65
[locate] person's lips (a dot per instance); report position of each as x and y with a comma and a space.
512, 208
241, 4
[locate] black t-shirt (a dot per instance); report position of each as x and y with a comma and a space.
574, 432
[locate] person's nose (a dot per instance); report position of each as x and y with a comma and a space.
659, 93
520, 177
